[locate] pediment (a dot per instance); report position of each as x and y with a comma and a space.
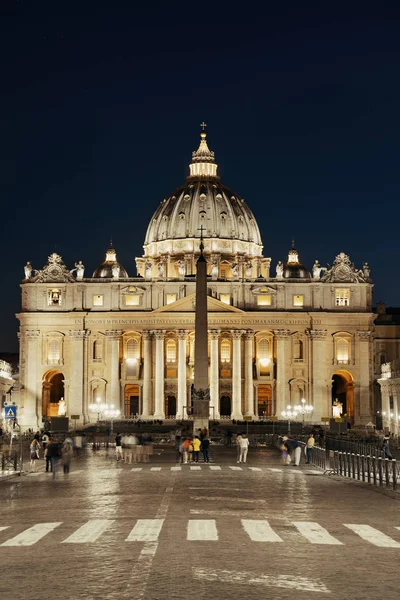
263, 289
187, 304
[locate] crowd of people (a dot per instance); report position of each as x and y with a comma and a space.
54, 451
131, 448
291, 449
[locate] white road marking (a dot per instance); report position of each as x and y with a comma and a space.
223, 512
145, 530
226, 499
32, 535
255, 469
294, 471
155, 469
89, 532
275, 470
214, 468
260, 531
195, 468
3, 528
176, 468
372, 535
236, 468
136, 469
202, 530
316, 534
291, 582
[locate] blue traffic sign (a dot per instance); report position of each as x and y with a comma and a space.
10, 412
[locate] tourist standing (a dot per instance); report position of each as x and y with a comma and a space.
54, 453
244, 447
185, 450
66, 456
386, 449
238, 440
118, 447
34, 450
296, 451
205, 444
309, 448
196, 448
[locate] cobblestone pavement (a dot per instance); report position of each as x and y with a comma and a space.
163, 531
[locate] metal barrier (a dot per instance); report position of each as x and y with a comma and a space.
8, 460
374, 470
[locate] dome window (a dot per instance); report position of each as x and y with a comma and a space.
203, 215
165, 218
186, 197
218, 197
182, 216
223, 215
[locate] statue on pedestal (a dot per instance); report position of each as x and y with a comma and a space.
214, 270
148, 269
279, 270
337, 409
161, 269
28, 270
235, 271
80, 270
181, 268
316, 270
115, 271
249, 270
62, 408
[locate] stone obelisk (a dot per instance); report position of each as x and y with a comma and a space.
200, 389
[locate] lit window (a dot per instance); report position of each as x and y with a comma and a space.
342, 297
132, 300
97, 350
225, 298
342, 350
98, 300
298, 300
54, 351
54, 298
264, 352
171, 298
264, 300
171, 351
225, 351
132, 349
223, 273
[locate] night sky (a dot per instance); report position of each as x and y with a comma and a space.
100, 108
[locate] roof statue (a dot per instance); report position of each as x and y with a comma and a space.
54, 272
343, 270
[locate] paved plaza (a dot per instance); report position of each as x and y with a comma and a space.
161, 530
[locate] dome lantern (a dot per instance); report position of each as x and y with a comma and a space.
110, 268
203, 164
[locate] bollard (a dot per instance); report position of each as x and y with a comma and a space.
369, 468
394, 470
358, 466
387, 472
353, 464
380, 471
374, 459
363, 467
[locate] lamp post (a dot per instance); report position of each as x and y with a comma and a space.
290, 414
303, 409
112, 414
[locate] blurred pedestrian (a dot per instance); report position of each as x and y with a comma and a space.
244, 447
78, 445
296, 448
118, 447
45, 440
66, 456
185, 450
196, 443
309, 448
54, 454
178, 448
238, 439
285, 448
205, 444
34, 452
386, 449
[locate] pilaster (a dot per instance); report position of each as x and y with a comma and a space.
236, 374
214, 336
282, 337
248, 375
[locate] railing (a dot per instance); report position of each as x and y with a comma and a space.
8, 460
371, 469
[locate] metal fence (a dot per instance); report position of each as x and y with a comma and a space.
368, 468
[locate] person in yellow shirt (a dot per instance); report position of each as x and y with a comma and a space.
196, 448
309, 448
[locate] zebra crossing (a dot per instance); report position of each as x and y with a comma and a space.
206, 530
182, 468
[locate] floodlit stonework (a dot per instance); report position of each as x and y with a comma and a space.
274, 337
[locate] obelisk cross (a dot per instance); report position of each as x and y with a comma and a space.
201, 228
203, 125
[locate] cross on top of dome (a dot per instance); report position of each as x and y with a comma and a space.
203, 158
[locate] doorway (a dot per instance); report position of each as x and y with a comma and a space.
170, 407
52, 393
225, 406
264, 401
132, 405
343, 395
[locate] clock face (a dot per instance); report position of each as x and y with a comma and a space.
342, 272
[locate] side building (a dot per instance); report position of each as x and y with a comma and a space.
129, 341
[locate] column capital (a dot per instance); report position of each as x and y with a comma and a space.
32, 334
182, 334
364, 336
281, 334
317, 334
159, 334
214, 334
249, 334
236, 334
113, 334
77, 334
146, 335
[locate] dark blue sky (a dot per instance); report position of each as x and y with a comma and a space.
100, 108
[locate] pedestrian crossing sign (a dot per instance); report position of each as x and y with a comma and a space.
10, 412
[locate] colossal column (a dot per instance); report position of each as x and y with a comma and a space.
180, 410
32, 411
159, 410
113, 389
364, 354
75, 374
248, 375
214, 372
146, 398
320, 399
282, 357
236, 375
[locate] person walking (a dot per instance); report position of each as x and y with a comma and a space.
34, 452
78, 445
238, 440
309, 448
296, 451
205, 444
185, 450
244, 447
196, 448
45, 440
66, 456
118, 447
178, 448
386, 449
54, 453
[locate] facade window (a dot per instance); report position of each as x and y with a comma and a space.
132, 350
171, 298
298, 300
342, 350
54, 298
132, 300
54, 352
225, 298
382, 359
342, 297
223, 273
298, 350
171, 351
98, 300
264, 356
225, 351
97, 350
264, 300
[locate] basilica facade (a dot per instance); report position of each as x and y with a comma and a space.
278, 335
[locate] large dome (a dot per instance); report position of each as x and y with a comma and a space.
202, 204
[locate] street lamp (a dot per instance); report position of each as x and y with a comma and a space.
98, 407
303, 409
290, 414
112, 414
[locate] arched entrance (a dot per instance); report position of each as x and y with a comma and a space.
343, 394
52, 393
170, 406
264, 401
225, 406
132, 400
